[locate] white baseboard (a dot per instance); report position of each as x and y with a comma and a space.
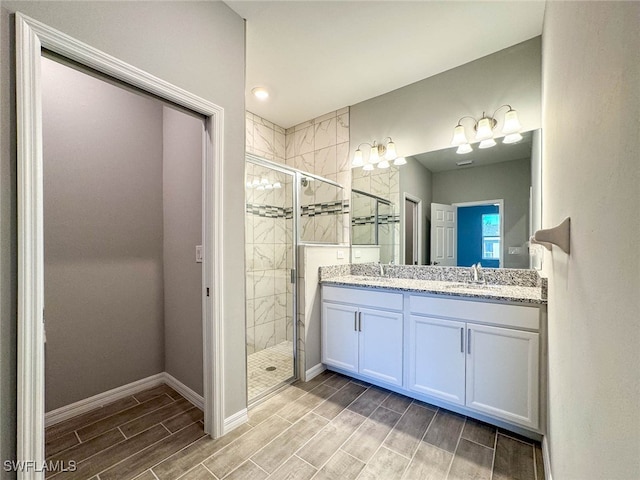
235, 420
69, 411
314, 371
77, 408
546, 458
182, 389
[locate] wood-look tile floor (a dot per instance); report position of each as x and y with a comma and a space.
329, 428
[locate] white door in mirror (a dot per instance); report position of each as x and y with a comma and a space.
444, 222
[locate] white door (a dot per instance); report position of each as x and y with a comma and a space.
444, 222
502, 373
437, 358
340, 336
381, 345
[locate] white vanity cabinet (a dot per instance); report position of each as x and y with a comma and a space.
470, 355
502, 373
362, 332
437, 358
480, 355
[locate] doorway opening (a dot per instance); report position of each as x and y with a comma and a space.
412, 230
122, 176
464, 234
31, 38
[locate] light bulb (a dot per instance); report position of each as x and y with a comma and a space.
260, 93
357, 159
255, 182
268, 186
383, 164
249, 184
277, 185
464, 148
511, 122
260, 187
512, 138
459, 137
487, 143
484, 130
391, 153
264, 181
400, 161
367, 167
374, 157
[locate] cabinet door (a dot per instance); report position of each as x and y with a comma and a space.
502, 373
437, 358
340, 336
381, 345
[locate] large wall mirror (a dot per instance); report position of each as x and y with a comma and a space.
443, 208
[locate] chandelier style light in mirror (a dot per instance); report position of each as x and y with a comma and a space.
484, 130
263, 184
380, 154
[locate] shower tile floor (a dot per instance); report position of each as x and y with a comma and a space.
261, 376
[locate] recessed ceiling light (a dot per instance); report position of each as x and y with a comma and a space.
464, 162
260, 93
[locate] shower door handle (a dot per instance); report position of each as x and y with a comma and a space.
355, 321
293, 275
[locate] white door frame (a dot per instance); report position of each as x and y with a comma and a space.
418, 201
500, 203
31, 37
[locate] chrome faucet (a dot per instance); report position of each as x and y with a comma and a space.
476, 273
381, 269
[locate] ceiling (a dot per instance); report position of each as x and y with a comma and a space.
315, 57
442, 160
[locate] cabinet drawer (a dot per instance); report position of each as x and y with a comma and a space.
366, 298
498, 314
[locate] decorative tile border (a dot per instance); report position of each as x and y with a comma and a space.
269, 211
371, 220
324, 208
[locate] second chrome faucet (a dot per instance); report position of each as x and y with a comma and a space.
477, 275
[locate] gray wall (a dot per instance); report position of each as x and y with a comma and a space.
591, 173
198, 46
420, 117
415, 179
103, 287
182, 192
509, 181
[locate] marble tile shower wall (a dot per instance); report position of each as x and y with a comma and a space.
319, 146
384, 184
269, 247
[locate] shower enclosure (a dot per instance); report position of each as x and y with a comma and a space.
284, 207
374, 222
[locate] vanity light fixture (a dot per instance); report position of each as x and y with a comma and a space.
381, 154
263, 184
484, 129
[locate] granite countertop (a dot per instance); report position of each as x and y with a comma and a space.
497, 292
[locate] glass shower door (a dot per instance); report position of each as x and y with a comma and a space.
270, 293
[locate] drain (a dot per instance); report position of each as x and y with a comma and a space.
270, 369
